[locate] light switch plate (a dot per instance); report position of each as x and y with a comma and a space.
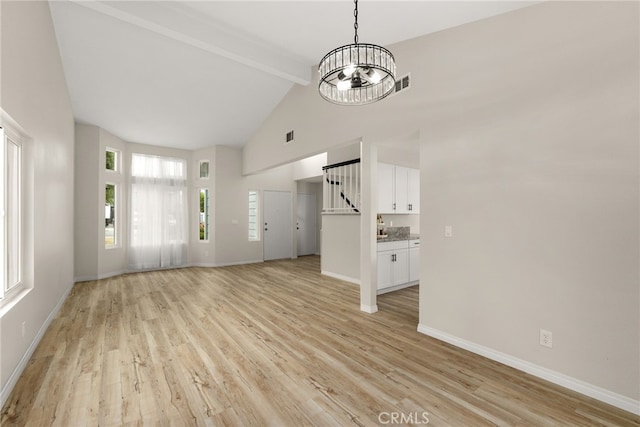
448, 231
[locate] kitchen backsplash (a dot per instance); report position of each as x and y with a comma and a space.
398, 220
397, 232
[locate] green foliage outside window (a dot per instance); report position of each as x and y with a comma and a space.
111, 160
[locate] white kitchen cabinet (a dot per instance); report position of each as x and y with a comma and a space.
385, 269
386, 191
401, 190
414, 260
393, 264
413, 190
398, 189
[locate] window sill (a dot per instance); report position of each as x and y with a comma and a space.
16, 296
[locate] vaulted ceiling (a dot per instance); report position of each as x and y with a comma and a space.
196, 74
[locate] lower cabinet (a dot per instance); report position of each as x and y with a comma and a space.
414, 260
394, 264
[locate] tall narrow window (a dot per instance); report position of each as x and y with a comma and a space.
204, 214
204, 169
110, 230
11, 213
159, 222
112, 159
254, 233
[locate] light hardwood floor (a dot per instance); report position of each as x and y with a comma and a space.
268, 344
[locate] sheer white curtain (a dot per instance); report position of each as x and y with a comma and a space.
159, 221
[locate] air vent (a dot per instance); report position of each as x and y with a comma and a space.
289, 137
403, 83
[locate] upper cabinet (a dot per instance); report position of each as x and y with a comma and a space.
386, 191
398, 189
413, 190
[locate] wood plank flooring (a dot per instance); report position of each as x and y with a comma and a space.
272, 344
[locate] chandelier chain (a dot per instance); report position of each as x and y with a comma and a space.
355, 24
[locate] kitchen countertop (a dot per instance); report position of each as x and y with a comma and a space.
397, 239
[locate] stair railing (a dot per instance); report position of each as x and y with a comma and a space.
341, 187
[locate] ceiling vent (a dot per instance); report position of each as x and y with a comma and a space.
289, 137
403, 83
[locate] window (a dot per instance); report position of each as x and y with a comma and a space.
11, 231
204, 169
112, 159
254, 233
110, 211
204, 215
159, 222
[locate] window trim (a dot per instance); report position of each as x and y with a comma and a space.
207, 213
200, 163
12, 131
258, 235
116, 214
116, 162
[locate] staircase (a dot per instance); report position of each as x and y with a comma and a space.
341, 188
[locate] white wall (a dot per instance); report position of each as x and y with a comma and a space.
92, 259
202, 252
34, 92
528, 127
533, 159
87, 202
309, 167
113, 260
228, 189
340, 256
231, 205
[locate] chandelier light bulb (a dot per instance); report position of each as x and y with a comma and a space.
350, 69
344, 85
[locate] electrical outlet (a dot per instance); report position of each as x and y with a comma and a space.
546, 338
24, 328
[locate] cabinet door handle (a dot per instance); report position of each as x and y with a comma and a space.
394, 206
410, 206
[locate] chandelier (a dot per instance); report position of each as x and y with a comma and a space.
358, 73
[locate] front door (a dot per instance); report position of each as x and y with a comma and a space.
278, 241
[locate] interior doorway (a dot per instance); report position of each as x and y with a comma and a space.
306, 224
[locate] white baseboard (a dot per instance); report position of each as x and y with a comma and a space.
340, 277
397, 287
193, 264
227, 264
202, 264
99, 276
558, 378
15, 375
369, 308
111, 274
84, 278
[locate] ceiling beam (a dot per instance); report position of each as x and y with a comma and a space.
181, 24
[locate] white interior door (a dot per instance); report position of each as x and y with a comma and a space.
306, 224
278, 241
